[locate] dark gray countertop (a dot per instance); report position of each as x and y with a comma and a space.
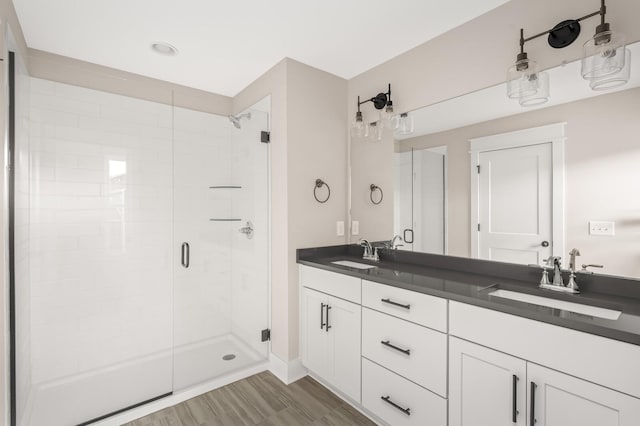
467, 281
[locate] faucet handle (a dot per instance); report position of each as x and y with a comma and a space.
585, 266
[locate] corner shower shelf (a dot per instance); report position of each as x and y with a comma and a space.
225, 220
225, 187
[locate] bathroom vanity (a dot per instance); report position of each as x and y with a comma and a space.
422, 339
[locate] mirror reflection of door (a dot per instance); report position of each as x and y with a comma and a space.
514, 190
419, 205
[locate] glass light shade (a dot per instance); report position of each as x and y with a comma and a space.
616, 79
522, 79
358, 129
387, 117
541, 96
603, 55
404, 124
374, 131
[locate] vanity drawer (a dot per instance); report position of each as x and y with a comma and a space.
425, 359
342, 286
413, 404
412, 306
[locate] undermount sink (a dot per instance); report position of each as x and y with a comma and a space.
351, 264
578, 308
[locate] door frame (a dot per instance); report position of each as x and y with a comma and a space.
552, 133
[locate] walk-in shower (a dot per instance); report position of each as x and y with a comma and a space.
136, 277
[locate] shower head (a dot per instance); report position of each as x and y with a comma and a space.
236, 119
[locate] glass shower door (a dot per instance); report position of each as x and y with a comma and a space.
220, 244
100, 251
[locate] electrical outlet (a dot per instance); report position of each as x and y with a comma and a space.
597, 227
355, 227
340, 228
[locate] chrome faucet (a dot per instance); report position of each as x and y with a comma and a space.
392, 244
557, 273
572, 284
572, 259
369, 252
558, 282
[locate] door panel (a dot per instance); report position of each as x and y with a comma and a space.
515, 204
563, 400
344, 321
314, 337
481, 386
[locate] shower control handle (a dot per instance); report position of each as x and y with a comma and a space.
185, 255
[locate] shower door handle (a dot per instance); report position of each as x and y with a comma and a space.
185, 255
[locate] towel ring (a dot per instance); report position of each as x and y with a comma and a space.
373, 189
319, 184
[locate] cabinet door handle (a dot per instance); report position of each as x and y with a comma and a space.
532, 405
404, 351
322, 324
327, 327
391, 302
515, 399
185, 255
388, 400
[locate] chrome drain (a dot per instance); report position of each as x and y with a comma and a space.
228, 357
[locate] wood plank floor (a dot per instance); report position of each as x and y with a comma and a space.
262, 400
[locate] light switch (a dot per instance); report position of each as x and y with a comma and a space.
597, 227
355, 227
340, 228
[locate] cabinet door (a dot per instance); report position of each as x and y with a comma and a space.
562, 400
344, 319
314, 336
486, 387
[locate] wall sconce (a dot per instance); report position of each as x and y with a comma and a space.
404, 124
606, 61
373, 131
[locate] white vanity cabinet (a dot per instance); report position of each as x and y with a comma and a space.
492, 388
488, 386
409, 358
331, 328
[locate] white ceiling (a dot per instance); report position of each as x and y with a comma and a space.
225, 45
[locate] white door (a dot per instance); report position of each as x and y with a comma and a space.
515, 208
562, 400
486, 387
314, 335
344, 329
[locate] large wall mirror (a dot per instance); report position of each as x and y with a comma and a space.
480, 176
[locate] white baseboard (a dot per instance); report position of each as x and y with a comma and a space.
287, 372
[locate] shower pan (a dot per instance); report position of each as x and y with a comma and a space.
136, 279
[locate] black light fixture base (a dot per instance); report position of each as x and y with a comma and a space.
563, 34
380, 101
